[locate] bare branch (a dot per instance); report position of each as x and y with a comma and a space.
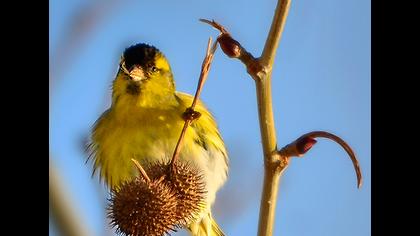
190, 114
260, 71
276, 30
275, 162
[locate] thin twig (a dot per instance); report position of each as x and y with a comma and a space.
204, 71
179, 143
190, 114
276, 30
346, 147
141, 170
215, 25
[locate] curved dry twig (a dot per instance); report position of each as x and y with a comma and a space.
141, 170
302, 144
215, 25
343, 144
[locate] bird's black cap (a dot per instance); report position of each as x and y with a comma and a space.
139, 54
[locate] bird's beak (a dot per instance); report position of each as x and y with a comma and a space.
137, 74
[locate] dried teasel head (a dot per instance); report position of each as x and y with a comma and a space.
160, 200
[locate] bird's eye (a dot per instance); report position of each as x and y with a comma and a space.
154, 69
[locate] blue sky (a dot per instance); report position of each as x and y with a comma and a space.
321, 81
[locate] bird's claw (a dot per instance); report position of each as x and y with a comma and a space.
191, 114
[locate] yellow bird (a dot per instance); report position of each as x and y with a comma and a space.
144, 122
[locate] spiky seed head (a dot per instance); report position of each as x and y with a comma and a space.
140, 208
187, 182
172, 199
190, 189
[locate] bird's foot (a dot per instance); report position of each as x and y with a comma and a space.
190, 114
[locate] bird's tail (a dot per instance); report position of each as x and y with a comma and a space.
206, 227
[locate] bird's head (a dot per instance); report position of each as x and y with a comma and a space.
144, 74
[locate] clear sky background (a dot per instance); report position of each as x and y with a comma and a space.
321, 81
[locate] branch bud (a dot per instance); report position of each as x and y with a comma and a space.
304, 144
230, 46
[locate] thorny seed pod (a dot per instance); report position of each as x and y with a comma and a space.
188, 184
230, 46
190, 191
170, 200
140, 208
